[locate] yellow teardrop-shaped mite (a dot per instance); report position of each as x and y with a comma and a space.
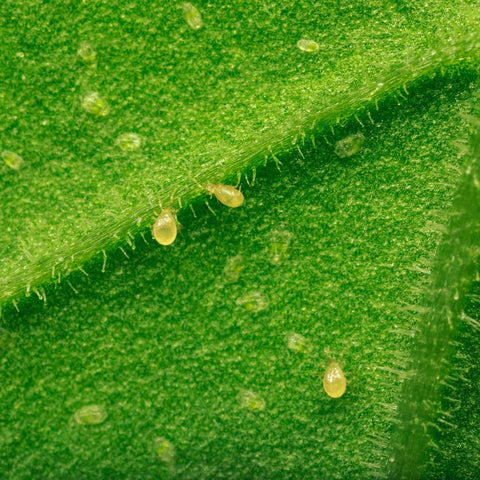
165, 228
334, 381
226, 194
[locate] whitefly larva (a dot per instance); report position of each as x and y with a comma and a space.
192, 16
308, 45
90, 415
226, 194
165, 228
334, 380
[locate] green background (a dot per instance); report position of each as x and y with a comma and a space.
334, 249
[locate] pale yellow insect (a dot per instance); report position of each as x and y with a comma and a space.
88, 55
253, 302
129, 142
350, 145
226, 194
165, 228
233, 268
334, 381
192, 16
90, 415
308, 46
94, 104
251, 400
12, 159
165, 449
298, 343
277, 250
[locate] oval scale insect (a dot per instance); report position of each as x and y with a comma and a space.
165, 449
94, 104
129, 142
90, 415
350, 145
251, 401
88, 55
334, 381
12, 159
192, 16
308, 46
226, 194
165, 228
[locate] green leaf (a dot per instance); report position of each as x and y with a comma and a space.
209, 104
205, 359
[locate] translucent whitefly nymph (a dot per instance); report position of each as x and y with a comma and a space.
165, 228
233, 268
350, 145
12, 159
129, 142
192, 16
308, 46
298, 343
251, 400
165, 449
87, 54
90, 415
226, 194
334, 381
278, 244
253, 302
94, 104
